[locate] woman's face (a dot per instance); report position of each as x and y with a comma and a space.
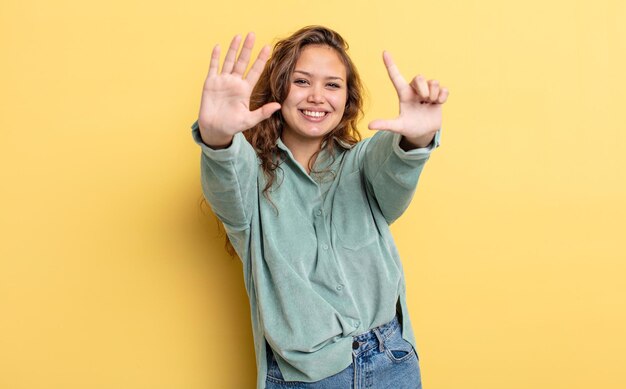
317, 94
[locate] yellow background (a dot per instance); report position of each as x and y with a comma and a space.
112, 277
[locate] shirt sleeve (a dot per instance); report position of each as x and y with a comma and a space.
229, 180
391, 174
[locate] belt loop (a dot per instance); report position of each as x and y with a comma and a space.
381, 344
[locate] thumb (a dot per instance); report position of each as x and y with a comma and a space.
264, 112
383, 124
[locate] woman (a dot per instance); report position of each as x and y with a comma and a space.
307, 207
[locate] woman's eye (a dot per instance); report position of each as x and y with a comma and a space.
300, 82
333, 85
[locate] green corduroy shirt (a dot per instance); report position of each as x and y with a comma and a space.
320, 264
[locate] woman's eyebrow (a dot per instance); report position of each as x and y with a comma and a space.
310, 75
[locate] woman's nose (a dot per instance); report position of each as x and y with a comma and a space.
316, 95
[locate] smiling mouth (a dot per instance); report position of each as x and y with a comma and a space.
313, 114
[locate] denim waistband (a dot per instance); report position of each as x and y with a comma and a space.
365, 341
375, 337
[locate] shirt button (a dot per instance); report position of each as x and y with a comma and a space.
339, 287
325, 246
318, 212
357, 323
355, 345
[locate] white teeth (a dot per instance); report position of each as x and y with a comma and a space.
314, 113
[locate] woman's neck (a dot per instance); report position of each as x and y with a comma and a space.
302, 149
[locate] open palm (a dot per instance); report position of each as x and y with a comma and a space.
225, 105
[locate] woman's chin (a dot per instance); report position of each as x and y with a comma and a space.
313, 132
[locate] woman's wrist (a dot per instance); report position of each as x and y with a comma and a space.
407, 143
215, 140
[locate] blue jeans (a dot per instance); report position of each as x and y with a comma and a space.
381, 359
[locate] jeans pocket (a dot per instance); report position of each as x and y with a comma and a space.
398, 349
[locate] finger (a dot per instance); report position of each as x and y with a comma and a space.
229, 61
394, 74
262, 113
421, 87
443, 96
433, 86
392, 125
258, 65
215, 61
244, 56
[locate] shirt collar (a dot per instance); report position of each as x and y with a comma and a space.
324, 159
342, 144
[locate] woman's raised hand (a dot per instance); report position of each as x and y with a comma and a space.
420, 107
225, 105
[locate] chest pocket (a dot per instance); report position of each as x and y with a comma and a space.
351, 214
